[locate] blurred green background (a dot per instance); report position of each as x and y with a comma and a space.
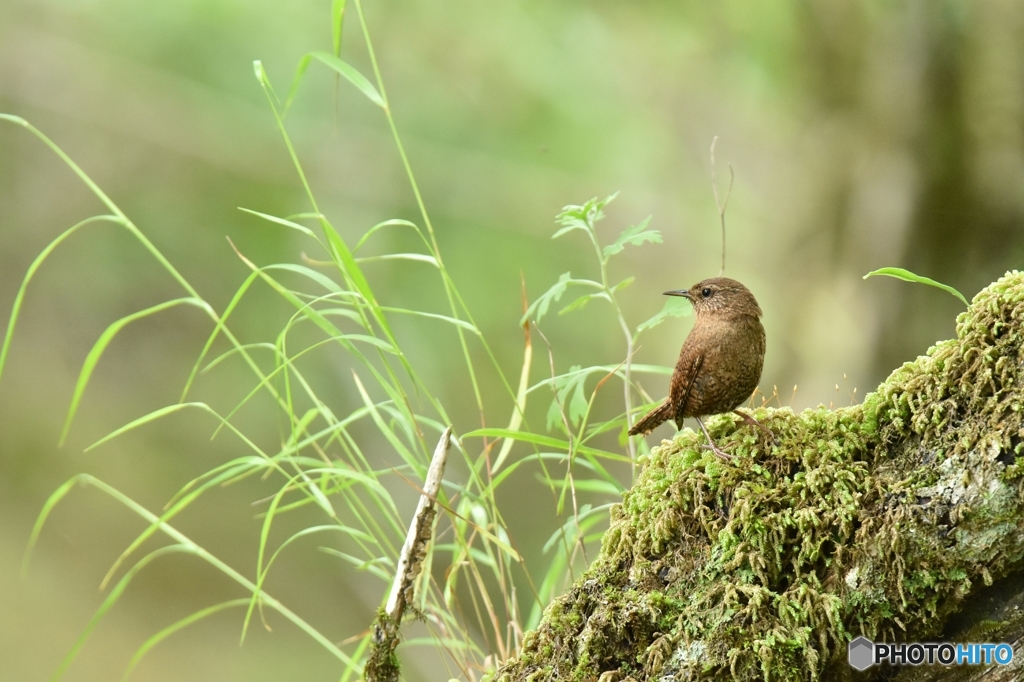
862, 134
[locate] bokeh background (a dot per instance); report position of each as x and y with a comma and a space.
862, 134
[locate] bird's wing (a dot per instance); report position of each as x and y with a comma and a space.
683, 381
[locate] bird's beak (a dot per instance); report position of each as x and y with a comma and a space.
680, 292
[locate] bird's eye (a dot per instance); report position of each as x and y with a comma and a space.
706, 292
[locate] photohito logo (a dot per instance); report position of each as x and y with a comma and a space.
863, 653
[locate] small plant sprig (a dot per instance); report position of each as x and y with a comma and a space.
570, 407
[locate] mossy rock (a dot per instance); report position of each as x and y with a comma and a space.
882, 519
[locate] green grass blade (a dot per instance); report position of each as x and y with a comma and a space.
546, 441
44, 514
337, 24
217, 329
468, 326
101, 344
261, 574
519, 408
908, 276
145, 419
174, 627
281, 221
394, 222
264, 570
388, 434
108, 604
194, 548
417, 257
323, 280
19, 297
300, 72
351, 74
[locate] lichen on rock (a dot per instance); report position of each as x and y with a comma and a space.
878, 519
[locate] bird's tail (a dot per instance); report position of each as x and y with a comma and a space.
653, 419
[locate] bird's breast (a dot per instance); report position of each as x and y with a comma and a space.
732, 351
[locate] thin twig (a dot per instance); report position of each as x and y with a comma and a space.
721, 205
382, 665
411, 559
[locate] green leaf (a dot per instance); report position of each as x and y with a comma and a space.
675, 306
582, 301
351, 74
908, 276
569, 224
623, 284
539, 308
582, 217
636, 235
570, 393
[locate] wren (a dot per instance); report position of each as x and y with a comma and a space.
721, 360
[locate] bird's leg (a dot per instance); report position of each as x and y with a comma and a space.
758, 425
711, 444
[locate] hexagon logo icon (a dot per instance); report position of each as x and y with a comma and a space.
861, 653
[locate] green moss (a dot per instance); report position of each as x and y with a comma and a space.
877, 519
382, 665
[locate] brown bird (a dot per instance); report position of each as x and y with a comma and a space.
721, 360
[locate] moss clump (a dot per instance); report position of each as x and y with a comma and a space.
878, 519
382, 665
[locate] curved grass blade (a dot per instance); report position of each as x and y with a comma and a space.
558, 379
324, 281
281, 221
101, 344
217, 328
337, 23
263, 571
546, 441
109, 602
174, 627
351, 271
394, 222
265, 345
44, 514
419, 257
185, 542
908, 276
519, 409
435, 316
350, 74
152, 416
19, 297
129, 225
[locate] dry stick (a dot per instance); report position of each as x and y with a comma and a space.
721, 205
382, 665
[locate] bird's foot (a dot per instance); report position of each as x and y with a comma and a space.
711, 444
718, 451
758, 425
